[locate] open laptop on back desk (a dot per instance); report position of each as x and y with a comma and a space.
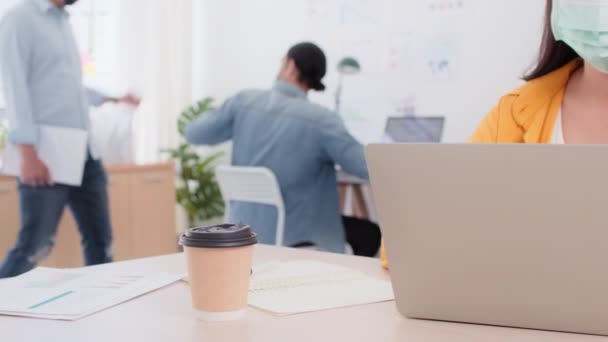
414, 129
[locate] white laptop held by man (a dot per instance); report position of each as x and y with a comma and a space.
63, 150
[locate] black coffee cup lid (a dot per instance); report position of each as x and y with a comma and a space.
220, 236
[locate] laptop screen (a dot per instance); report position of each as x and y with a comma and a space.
412, 129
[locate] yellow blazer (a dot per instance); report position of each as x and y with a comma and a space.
525, 115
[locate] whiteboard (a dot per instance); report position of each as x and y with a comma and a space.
451, 58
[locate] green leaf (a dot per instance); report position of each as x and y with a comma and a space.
198, 193
193, 112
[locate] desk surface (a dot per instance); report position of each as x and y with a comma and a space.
165, 315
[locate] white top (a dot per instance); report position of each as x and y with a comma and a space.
166, 315
558, 130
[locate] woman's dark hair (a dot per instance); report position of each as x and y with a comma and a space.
553, 54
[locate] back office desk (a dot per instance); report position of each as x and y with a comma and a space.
166, 315
357, 191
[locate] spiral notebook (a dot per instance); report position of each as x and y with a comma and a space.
295, 287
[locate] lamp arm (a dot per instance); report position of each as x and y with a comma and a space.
339, 95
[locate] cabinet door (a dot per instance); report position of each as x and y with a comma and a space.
9, 215
118, 191
68, 250
153, 213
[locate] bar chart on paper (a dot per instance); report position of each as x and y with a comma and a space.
73, 294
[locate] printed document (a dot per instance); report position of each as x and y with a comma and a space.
73, 294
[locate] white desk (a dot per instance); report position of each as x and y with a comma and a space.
166, 316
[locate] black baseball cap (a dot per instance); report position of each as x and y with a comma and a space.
311, 63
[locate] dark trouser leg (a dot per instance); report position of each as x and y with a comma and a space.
40, 209
90, 206
363, 236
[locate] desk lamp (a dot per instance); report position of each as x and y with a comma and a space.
347, 66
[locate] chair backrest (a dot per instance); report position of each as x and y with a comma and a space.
252, 185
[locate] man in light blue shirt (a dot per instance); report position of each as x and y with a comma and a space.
299, 141
42, 79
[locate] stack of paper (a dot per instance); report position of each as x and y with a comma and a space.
306, 286
74, 294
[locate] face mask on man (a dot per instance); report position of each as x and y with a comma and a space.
583, 25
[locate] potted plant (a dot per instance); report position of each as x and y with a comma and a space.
198, 192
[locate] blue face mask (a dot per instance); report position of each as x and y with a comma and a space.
583, 25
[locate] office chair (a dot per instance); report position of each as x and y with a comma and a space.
252, 185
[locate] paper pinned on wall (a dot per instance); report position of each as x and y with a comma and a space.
307, 286
442, 57
357, 13
442, 6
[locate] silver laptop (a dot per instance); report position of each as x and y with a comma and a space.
509, 235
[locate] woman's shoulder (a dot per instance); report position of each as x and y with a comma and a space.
533, 95
527, 106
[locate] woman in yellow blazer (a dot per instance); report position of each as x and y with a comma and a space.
565, 98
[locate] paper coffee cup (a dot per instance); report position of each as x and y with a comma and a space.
219, 265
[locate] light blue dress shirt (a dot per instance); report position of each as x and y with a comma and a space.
41, 72
301, 143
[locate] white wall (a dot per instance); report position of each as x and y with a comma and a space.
216, 59
489, 44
